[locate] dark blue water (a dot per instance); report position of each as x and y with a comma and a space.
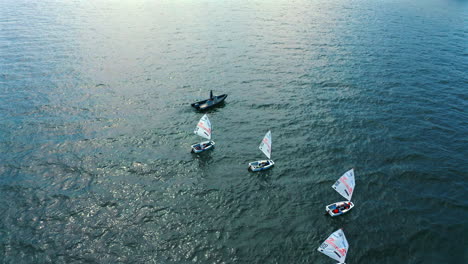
96, 128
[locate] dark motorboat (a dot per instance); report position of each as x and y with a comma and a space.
209, 103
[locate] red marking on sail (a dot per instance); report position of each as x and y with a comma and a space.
343, 180
342, 251
265, 140
202, 126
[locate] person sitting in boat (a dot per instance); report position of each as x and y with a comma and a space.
336, 211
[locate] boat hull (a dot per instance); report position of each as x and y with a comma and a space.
203, 146
338, 205
208, 103
258, 165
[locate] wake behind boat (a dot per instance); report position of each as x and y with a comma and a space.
265, 147
344, 186
203, 129
209, 103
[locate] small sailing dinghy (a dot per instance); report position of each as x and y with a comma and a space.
336, 246
203, 129
344, 186
265, 147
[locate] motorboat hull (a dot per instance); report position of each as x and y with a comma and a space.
329, 208
209, 103
257, 165
202, 146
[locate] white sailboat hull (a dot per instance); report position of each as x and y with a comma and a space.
261, 165
340, 206
202, 146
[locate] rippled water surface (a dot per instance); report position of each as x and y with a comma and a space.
96, 128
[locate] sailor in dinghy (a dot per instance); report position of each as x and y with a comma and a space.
344, 186
335, 246
204, 130
265, 147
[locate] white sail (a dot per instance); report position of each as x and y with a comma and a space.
336, 246
203, 128
345, 184
265, 146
